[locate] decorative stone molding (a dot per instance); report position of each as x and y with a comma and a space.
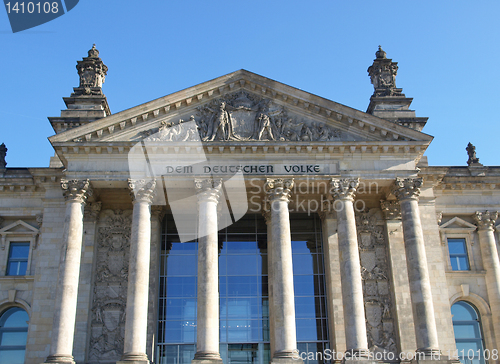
142, 190
107, 319
391, 209
159, 212
76, 190
92, 72
208, 189
376, 285
383, 75
3, 153
485, 220
267, 216
91, 211
407, 188
278, 189
327, 210
39, 220
344, 189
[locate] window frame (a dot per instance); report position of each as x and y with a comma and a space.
15, 329
464, 231
467, 250
9, 235
479, 322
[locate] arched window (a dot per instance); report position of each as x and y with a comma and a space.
467, 328
13, 335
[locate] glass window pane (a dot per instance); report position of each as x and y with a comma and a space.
14, 317
463, 263
456, 246
19, 250
13, 338
467, 330
12, 357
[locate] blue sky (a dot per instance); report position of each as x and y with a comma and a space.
448, 54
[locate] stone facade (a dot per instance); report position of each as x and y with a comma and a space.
93, 219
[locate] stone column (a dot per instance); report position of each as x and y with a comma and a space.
283, 309
136, 319
207, 335
332, 274
407, 191
399, 276
344, 191
485, 222
63, 328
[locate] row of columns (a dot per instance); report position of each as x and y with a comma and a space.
281, 291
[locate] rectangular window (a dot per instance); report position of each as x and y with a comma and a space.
458, 254
18, 258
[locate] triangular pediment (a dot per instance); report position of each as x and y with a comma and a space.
19, 227
242, 107
457, 223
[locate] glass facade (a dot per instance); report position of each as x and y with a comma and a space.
243, 291
467, 329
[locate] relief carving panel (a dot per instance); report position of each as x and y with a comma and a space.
110, 286
242, 116
376, 293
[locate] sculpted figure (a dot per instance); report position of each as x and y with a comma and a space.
265, 125
221, 125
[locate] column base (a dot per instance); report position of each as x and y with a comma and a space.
60, 359
286, 357
206, 358
132, 358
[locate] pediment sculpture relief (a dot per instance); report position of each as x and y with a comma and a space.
242, 117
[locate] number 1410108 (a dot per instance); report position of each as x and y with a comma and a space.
31, 7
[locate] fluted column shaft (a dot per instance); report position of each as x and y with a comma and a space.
486, 222
407, 191
136, 322
63, 329
267, 217
207, 343
350, 267
283, 305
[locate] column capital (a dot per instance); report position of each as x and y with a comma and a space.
391, 209
159, 212
76, 190
485, 220
91, 211
142, 190
208, 189
407, 188
278, 189
345, 188
326, 210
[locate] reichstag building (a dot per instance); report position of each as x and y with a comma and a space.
243, 220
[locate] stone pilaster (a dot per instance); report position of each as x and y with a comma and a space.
333, 284
407, 192
63, 329
285, 338
485, 222
136, 319
270, 290
399, 276
207, 335
344, 191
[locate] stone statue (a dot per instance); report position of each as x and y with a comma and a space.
471, 151
265, 125
221, 127
3, 153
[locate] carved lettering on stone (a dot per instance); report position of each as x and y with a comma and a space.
110, 287
374, 272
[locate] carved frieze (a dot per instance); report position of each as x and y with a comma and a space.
376, 290
110, 287
242, 116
